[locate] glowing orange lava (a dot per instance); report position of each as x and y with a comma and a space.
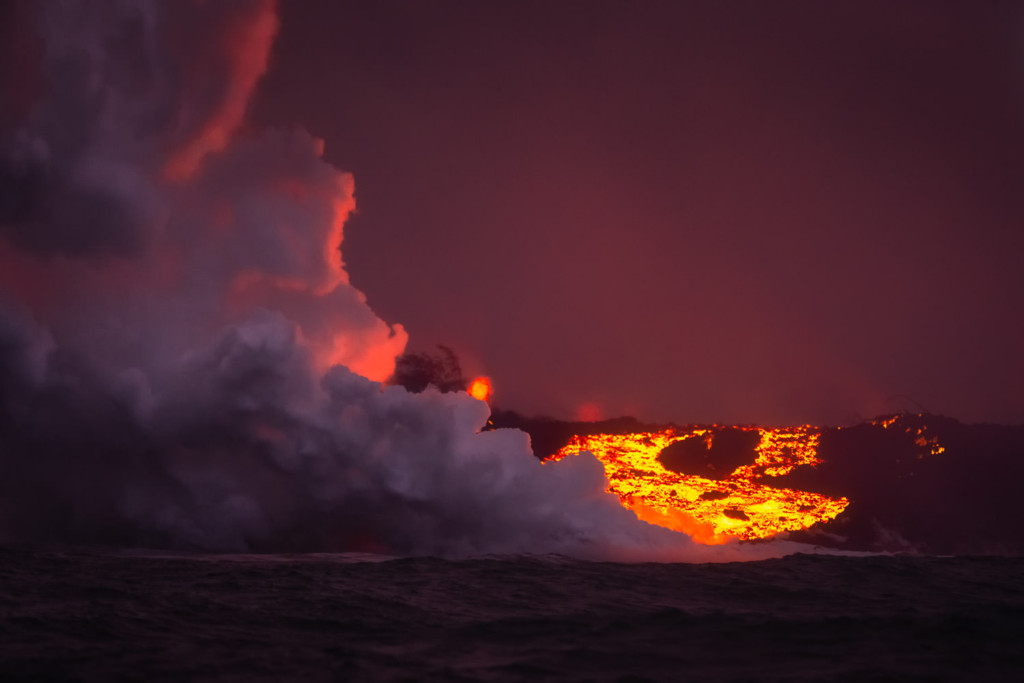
480, 388
927, 445
712, 511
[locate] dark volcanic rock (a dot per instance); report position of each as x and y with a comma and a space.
548, 436
730, 448
906, 494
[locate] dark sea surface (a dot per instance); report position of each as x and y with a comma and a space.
69, 614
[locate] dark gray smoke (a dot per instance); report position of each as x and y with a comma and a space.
182, 360
125, 89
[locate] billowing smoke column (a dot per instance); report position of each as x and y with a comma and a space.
183, 362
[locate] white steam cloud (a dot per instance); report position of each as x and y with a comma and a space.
182, 360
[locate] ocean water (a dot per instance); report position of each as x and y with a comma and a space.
90, 615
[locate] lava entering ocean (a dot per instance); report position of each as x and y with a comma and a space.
737, 506
185, 364
898, 483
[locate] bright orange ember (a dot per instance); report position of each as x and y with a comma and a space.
712, 511
480, 388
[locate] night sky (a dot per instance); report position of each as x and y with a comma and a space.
734, 212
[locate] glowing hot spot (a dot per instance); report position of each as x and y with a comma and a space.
588, 412
480, 389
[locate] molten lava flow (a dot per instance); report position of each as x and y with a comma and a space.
480, 389
711, 511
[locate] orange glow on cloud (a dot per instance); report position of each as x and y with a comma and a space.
247, 52
344, 204
370, 353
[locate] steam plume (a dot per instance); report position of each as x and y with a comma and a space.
183, 362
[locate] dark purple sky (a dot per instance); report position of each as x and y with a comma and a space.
732, 212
